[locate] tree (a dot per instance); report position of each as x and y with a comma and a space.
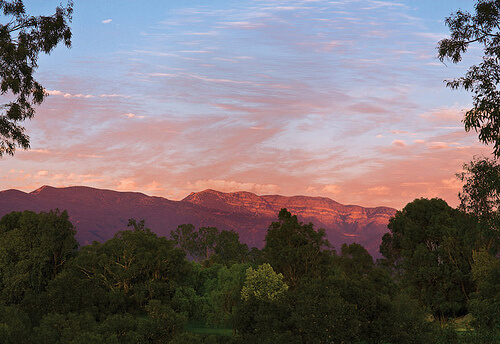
208, 245
430, 248
22, 39
296, 250
228, 249
198, 244
136, 263
33, 250
354, 259
485, 302
263, 283
480, 197
185, 237
482, 27
225, 295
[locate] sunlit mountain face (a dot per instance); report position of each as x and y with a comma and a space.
98, 214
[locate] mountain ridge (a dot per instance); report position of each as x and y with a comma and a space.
99, 213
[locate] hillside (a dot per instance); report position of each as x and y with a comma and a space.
99, 214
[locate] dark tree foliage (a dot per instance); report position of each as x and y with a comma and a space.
359, 305
480, 197
34, 248
296, 250
228, 249
136, 263
22, 38
354, 260
481, 190
430, 245
209, 245
481, 27
485, 302
139, 288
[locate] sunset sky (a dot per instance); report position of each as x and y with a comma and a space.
341, 99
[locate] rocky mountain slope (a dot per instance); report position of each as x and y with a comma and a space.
99, 214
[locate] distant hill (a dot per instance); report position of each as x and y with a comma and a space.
99, 214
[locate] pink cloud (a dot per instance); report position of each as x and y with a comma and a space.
399, 143
126, 184
68, 95
231, 186
332, 189
379, 191
131, 115
450, 115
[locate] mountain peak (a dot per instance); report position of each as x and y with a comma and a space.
233, 202
42, 189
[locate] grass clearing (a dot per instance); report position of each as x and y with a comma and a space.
199, 327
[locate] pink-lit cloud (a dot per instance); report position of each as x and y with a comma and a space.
332, 189
399, 143
230, 185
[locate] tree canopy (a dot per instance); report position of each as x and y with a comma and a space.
428, 244
139, 288
22, 38
481, 27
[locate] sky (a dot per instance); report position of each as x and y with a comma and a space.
341, 99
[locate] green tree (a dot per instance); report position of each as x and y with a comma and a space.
225, 294
481, 27
198, 244
429, 245
485, 302
162, 323
15, 325
208, 245
480, 197
137, 263
33, 249
354, 260
263, 283
58, 328
383, 313
296, 250
228, 249
266, 321
22, 38
185, 237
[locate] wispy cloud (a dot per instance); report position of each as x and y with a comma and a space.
342, 99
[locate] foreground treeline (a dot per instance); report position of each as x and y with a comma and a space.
439, 281
140, 288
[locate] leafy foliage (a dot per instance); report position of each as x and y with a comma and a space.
428, 247
137, 263
481, 27
263, 283
296, 250
480, 197
22, 39
209, 245
33, 249
485, 303
139, 288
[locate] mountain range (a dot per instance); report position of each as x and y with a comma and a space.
98, 214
